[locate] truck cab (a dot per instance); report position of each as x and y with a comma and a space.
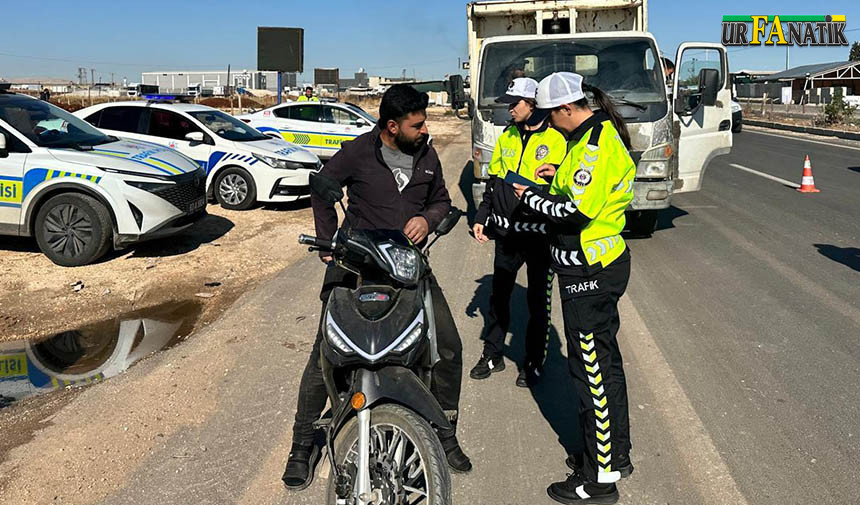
675, 130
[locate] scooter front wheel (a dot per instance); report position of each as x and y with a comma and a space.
407, 462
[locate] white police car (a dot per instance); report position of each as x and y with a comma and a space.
243, 166
319, 127
79, 191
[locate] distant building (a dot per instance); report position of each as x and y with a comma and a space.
177, 81
360, 80
810, 83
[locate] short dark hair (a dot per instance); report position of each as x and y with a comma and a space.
399, 101
668, 63
309, 88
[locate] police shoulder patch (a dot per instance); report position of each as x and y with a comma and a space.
582, 177
541, 152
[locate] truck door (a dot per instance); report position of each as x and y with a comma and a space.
705, 122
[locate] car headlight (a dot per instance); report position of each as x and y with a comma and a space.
278, 163
655, 162
332, 333
405, 263
736, 107
410, 339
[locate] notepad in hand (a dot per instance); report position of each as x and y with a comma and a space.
515, 178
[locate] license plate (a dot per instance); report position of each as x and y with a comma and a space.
197, 205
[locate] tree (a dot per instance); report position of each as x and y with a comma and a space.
854, 55
838, 110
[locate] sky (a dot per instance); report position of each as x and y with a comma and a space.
52, 38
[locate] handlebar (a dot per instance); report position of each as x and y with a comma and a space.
323, 244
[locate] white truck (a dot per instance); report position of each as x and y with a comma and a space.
606, 41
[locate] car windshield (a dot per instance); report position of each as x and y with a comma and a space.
363, 113
226, 126
47, 125
626, 69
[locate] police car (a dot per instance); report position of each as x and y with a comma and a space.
243, 166
319, 127
79, 191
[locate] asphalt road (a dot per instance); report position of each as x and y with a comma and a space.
739, 333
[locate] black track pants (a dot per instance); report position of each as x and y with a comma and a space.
511, 253
591, 322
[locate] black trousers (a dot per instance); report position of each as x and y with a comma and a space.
531, 249
447, 374
591, 323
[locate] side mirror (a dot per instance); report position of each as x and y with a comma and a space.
361, 123
449, 222
194, 137
325, 188
709, 85
274, 135
3, 152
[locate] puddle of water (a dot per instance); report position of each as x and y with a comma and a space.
92, 353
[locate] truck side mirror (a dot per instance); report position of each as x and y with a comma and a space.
709, 85
3, 152
457, 94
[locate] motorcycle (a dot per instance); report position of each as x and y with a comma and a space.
377, 359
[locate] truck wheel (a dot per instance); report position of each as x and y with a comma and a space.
73, 229
642, 223
737, 127
235, 189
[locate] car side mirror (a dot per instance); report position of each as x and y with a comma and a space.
361, 123
274, 135
325, 188
449, 222
3, 152
709, 85
194, 137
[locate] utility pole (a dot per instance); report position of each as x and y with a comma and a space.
786, 57
111, 78
92, 76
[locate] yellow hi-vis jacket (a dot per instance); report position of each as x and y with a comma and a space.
522, 152
587, 199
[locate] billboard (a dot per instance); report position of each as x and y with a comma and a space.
280, 49
327, 76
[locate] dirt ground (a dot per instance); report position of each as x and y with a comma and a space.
235, 249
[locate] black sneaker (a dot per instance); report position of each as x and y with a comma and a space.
624, 466
487, 366
299, 473
529, 376
577, 489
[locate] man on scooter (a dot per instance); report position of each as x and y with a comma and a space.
394, 181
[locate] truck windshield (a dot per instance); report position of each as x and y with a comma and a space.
47, 125
626, 69
227, 127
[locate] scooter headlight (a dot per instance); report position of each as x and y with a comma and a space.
333, 334
405, 262
410, 339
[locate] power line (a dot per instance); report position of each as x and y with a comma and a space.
44, 58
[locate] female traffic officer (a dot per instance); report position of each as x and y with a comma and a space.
585, 208
527, 143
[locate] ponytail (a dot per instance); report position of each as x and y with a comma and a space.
605, 103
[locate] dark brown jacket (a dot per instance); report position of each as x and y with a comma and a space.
372, 196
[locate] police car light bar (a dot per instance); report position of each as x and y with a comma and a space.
167, 98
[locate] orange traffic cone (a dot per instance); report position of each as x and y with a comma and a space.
807, 184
